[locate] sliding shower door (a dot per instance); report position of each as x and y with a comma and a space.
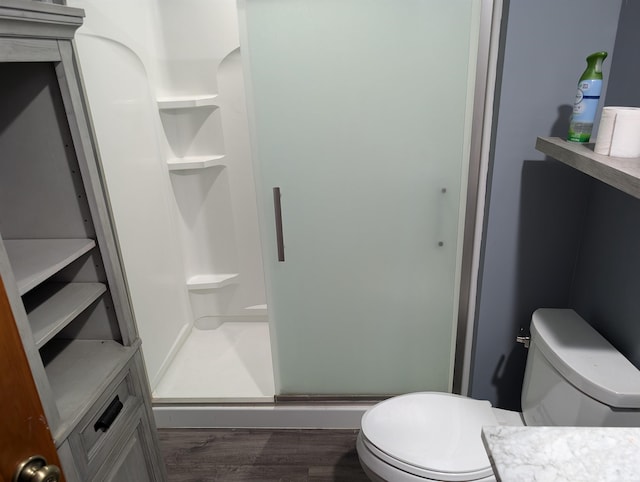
361, 119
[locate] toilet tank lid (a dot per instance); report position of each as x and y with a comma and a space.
585, 358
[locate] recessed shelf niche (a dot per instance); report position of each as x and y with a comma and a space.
207, 230
193, 131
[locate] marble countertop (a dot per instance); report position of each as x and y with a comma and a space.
563, 453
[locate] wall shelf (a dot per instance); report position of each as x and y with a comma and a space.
95, 362
35, 260
55, 305
195, 162
212, 281
187, 101
621, 173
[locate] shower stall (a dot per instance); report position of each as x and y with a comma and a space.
292, 190
165, 86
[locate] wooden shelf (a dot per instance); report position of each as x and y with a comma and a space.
621, 173
54, 305
35, 260
211, 281
78, 372
187, 101
194, 162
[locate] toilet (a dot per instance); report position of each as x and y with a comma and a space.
573, 377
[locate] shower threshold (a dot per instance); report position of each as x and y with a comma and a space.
284, 415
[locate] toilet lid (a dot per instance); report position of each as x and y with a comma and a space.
432, 433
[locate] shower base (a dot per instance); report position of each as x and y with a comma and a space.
224, 378
229, 364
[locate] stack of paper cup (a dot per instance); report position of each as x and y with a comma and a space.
619, 132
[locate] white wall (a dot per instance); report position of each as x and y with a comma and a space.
115, 46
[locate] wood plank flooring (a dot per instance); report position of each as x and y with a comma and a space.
229, 455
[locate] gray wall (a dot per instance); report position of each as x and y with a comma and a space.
625, 72
536, 207
607, 279
607, 282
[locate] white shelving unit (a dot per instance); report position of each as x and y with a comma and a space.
187, 101
195, 162
35, 260
621, 173
57, 305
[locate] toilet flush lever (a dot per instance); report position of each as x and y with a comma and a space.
525, 340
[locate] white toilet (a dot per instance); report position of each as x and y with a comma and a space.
573, 377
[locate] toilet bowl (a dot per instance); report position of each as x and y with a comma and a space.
573, 377
429, 436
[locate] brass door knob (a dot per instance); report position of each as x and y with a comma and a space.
35, 469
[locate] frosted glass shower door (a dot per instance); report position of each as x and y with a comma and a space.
362, 119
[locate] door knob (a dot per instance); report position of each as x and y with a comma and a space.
35, 469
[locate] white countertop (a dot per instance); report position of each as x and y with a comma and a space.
563, 453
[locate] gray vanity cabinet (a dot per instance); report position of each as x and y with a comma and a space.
59, 258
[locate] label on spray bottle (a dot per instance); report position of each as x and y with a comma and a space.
584, 110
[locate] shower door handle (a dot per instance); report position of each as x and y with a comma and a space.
277, 208
440, 217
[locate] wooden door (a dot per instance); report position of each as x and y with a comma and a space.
23, 426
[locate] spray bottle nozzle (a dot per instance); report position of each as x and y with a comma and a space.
594, 64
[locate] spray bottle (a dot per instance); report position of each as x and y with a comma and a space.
586, 103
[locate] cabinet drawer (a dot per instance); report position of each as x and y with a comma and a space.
105, 417
97, 432
134, 457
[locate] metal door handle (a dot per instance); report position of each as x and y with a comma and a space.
35, 469
440, 217
277, 208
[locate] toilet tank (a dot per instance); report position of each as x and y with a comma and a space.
574, 377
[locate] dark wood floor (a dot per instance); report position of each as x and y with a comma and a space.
261, 455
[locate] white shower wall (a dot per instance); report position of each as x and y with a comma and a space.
189, 236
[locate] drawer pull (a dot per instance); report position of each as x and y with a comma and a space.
109, 415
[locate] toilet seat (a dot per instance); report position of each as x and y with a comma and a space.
431, 435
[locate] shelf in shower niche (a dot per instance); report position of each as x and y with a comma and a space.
195, 162
187, 101
212, 281
618, 172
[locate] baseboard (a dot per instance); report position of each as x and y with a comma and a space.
288, 415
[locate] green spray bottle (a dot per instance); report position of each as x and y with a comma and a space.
586, 103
